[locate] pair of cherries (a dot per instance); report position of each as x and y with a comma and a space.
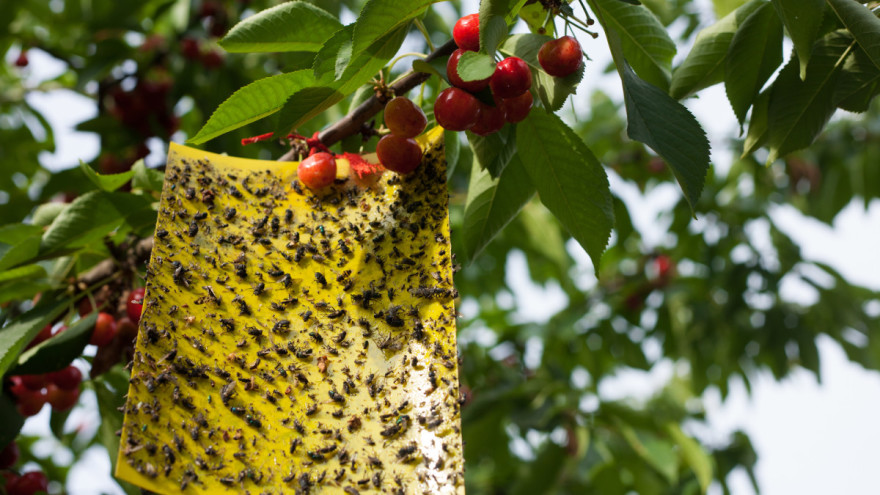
397, 151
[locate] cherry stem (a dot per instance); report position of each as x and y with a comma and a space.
421, 27
403, 56
352, 123
580, 25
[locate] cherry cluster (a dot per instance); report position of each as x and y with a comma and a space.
145, 109
457, 109
27, 483
61, 388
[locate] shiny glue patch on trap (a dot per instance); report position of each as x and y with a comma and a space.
294, 342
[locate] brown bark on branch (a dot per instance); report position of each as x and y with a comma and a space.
139, 253
353, 122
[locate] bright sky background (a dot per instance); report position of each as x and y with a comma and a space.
811, 438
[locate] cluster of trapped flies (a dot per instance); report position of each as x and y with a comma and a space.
294, 341
298, 331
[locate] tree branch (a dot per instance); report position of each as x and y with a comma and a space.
139, 253
352, 123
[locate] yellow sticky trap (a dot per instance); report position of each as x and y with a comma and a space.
294, 342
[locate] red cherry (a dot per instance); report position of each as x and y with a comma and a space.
491, 120
517, 108
560, 57
456, 80
212, 59
404, 118
85, 305
68, 378
60, 399
135, 305
665, 268
466, 32
126, 330
317, 171
209, 8
22, 59
189, 47
34, 382
105, 330
456, 109
16, 387
28, 484
10, 477
30, 402
399, 154
9, 455
512, 78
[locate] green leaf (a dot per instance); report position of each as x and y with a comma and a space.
568, 178
92, 216
799, 109
493, 27
755, 53
705, 63
802, 19
693, 454
552, 91
535, 17
543, 234
56, 422
419, 65
646, 44
724, 7
858, 83
46, 213
473, 66
451, 150
145, 178
22, 272
288, 27
306, 103
18, 244
58, 351
108, 183
862, 23
258, 99
335, 55
658, 453
380, 18
665, 125
493, 203
12, 420
15, 336
757, 134
493, 152
19, 290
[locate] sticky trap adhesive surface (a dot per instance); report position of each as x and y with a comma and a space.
293, 342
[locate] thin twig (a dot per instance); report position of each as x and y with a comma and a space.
352, 123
